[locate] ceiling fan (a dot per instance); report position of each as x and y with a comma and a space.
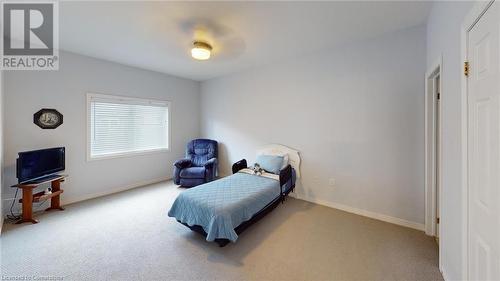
211, 39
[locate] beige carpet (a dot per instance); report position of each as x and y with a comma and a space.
128, 236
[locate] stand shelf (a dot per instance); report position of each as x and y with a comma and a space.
41, 196
29, 197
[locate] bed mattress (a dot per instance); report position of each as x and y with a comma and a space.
220, 206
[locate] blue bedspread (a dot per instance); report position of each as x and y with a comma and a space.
220, 206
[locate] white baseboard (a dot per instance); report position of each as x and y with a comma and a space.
112, 191
443, 273
365, 213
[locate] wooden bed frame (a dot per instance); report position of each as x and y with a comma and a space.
285, 176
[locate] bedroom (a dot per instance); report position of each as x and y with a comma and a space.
336, 101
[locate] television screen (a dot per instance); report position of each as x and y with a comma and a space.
35, 164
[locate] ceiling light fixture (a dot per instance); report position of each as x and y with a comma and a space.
201, 50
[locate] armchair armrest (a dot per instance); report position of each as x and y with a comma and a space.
210, 163
242, 164
182, 163
210, 169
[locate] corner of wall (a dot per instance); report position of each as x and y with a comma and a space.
200, 109
1, 148
363, 212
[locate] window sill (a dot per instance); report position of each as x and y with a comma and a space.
126, 154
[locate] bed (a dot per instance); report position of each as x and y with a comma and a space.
222, 209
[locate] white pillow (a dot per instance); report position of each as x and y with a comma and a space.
284, 155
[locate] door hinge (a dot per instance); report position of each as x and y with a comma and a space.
437, 220
466, 68
438, 96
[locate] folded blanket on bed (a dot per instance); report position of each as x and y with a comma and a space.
220, 206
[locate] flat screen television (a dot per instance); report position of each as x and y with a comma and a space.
33, 165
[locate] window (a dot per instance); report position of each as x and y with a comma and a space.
122, 126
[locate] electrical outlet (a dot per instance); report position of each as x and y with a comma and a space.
331, 182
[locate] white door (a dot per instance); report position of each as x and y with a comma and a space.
483, 147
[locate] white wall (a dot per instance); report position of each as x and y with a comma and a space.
26, 92
355, 113
443, 38
1, 147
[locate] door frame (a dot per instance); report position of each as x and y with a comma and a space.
476, 12
431, 146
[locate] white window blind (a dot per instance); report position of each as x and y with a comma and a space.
120, 126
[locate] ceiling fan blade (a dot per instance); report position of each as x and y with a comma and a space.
229, 48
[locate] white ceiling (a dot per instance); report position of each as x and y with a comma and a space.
158, 35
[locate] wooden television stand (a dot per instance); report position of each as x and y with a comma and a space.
29, 197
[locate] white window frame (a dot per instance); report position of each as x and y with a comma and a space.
132, 100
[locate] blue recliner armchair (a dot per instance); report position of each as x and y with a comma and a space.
200, 164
